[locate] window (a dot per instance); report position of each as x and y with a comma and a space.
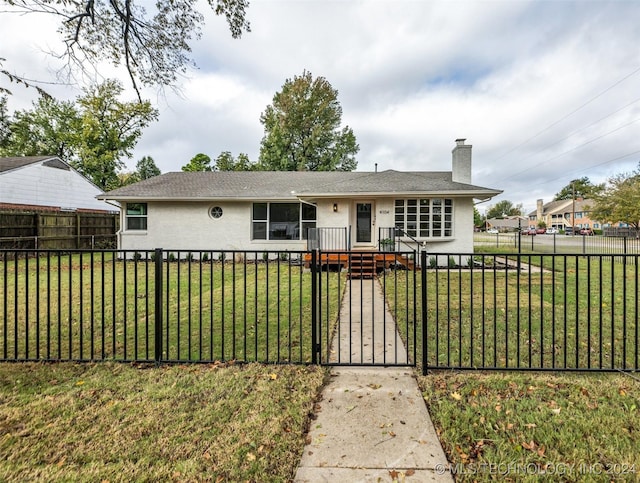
425, 218
282, 221
136, 216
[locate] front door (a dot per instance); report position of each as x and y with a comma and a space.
364, 223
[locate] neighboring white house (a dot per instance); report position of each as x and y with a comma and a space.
269, 210
47, 182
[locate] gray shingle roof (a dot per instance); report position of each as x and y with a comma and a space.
7, 164
563, 206
292, 185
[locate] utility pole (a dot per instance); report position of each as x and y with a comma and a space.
573, 205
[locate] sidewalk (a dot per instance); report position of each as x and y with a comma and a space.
372, 424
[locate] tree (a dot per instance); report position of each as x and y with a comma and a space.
302, 129
200, 162
152, 41
146, 168
127, 177
109, 131
226, 162
93, 134
619, 201
5, 124
46, 130
581, 187
504, 208
478, 219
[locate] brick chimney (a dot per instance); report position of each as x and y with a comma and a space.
539, 211
461, 163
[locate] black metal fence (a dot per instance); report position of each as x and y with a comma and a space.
161, 305
530, 312
464, 311
559, 243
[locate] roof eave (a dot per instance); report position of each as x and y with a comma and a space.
453, 194
385, 194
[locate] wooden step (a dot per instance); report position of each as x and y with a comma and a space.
362, 265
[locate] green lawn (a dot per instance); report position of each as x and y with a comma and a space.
574, 312
120, 423
216, 422
537, 427
90, 306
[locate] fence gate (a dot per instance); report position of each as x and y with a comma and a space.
365, 309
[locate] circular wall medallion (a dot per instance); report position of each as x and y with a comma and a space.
215, 212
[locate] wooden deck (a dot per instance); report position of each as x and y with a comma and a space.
362, 263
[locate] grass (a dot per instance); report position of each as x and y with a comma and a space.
91, 306
532, 427
119, 422
558, 312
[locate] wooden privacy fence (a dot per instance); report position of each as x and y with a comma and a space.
57, 230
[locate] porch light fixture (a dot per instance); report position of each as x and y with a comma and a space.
335, 207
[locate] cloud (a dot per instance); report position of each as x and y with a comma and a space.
536, 87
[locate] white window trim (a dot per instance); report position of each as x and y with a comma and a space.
127, 216
301, 221
445, 225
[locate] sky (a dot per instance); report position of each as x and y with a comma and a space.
545, 91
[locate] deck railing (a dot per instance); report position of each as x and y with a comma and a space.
329, 238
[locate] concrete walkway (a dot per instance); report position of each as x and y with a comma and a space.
372, 424
366, 332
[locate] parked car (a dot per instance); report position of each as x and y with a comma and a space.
552, 231
529, 231
568, 230
492, 230
541, 231
586, 231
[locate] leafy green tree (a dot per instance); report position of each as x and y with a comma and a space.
619, 201
504, 208
302, 129
478, 219
93, 134
581, 187
5, 123
109, 131
50, 128
146, 168
151, 40
226, 162
127, 177
200, 162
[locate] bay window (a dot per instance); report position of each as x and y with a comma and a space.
425, 218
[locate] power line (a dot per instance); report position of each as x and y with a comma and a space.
571, 150
579, 130
570, 114
605, 162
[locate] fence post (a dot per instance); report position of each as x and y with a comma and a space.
158, 305
423, 295
314, 307
78, 231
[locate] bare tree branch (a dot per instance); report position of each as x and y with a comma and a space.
153, 47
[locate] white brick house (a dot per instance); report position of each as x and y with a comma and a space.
268, 210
